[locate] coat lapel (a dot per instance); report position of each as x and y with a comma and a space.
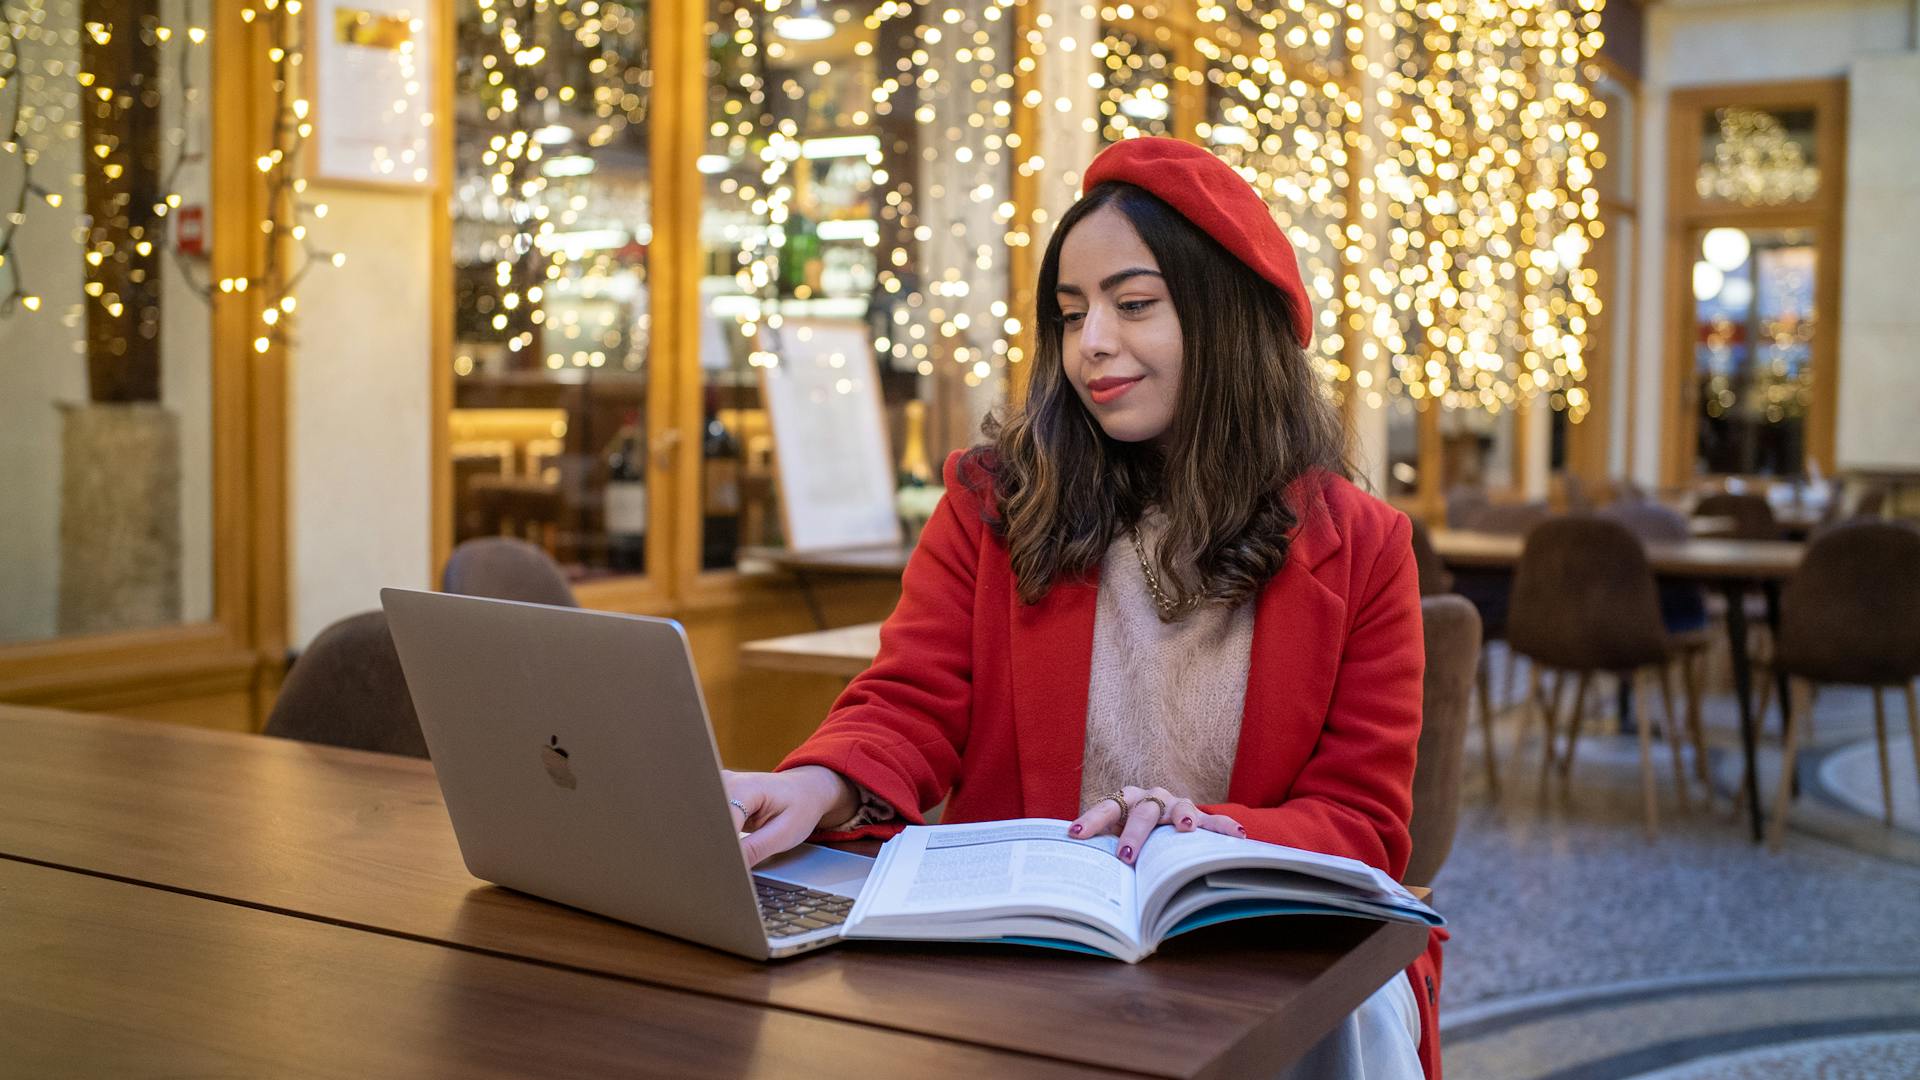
1052, 644
1298, 630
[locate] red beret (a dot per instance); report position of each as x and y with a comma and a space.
1207, 192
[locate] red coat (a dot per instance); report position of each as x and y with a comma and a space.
980, 699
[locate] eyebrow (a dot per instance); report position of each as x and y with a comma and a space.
1108, 282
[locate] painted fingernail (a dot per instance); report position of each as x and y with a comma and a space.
1126, 853
1073, 829
1243, 830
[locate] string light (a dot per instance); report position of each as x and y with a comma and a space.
46, 106
557, 82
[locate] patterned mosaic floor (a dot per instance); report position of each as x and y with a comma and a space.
1582, 951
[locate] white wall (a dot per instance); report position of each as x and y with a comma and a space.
1879, 321
1712, 42
359, 411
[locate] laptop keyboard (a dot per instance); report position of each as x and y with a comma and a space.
787, 910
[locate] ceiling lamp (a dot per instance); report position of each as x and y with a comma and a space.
805, 25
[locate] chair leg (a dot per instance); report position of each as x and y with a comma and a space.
1690, 670
1645, 727
1674, 737
1550, 713
1513, 665
1573, 729
1484, 685
1783, 799
1886, 773
1534, 707
1913, 725
1573, 724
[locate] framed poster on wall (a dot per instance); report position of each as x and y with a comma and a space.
371, 74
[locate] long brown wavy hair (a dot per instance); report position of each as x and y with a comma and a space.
1250, 419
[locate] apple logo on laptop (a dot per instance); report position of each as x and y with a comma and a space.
554, 756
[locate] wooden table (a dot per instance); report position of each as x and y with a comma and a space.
156, 882
1733, 566
884, 562
845, 651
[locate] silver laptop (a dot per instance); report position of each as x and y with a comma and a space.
577, 763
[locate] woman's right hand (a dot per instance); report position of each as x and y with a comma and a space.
784, 808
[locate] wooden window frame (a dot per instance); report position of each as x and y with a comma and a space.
1687, 212
226, 670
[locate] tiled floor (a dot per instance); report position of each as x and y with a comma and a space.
1583, 950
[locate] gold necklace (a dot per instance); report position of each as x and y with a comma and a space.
1168, 606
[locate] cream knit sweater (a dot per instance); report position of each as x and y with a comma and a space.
1165, 699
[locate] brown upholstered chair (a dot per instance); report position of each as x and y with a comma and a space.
347, 690
1851, 615
1434, 578
1584, 601
1683, 612
1488, 591
506, 569
1452, 630
1752, 514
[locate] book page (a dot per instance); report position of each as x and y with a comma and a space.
1000, 868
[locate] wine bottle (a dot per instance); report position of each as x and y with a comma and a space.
720, 469
626, 499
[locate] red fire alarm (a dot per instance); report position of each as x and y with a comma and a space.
190, 230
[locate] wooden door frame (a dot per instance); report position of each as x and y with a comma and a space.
1687, 212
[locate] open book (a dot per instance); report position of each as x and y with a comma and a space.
1026, 881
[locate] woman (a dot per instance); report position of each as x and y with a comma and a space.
1152, 598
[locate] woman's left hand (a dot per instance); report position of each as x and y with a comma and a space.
1143, 815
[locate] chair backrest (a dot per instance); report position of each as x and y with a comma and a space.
506, 569
1584, 598
1512, 519
1434, 578
1452, 630
347, 690
1648, 520
1683, 604
1752, 514
1851, 613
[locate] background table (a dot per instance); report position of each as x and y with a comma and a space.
874, 562
360, 843
844, 651
1734, 566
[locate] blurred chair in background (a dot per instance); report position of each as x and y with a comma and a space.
1751, 513
1584, 601
347, 690
1683, 612
1452, 631
506, 569
1851, 615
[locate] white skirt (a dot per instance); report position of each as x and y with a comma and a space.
1380, 1040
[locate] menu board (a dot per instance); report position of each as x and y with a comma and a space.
829, 436
372, 70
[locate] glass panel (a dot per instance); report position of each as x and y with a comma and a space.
1758, 157
1403, 449
1477, 446
106, 515
1753, 348
856, 175
552, 223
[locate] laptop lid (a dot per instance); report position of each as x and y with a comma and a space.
576, 759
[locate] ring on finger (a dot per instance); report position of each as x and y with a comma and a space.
1119, 800
1155, 800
